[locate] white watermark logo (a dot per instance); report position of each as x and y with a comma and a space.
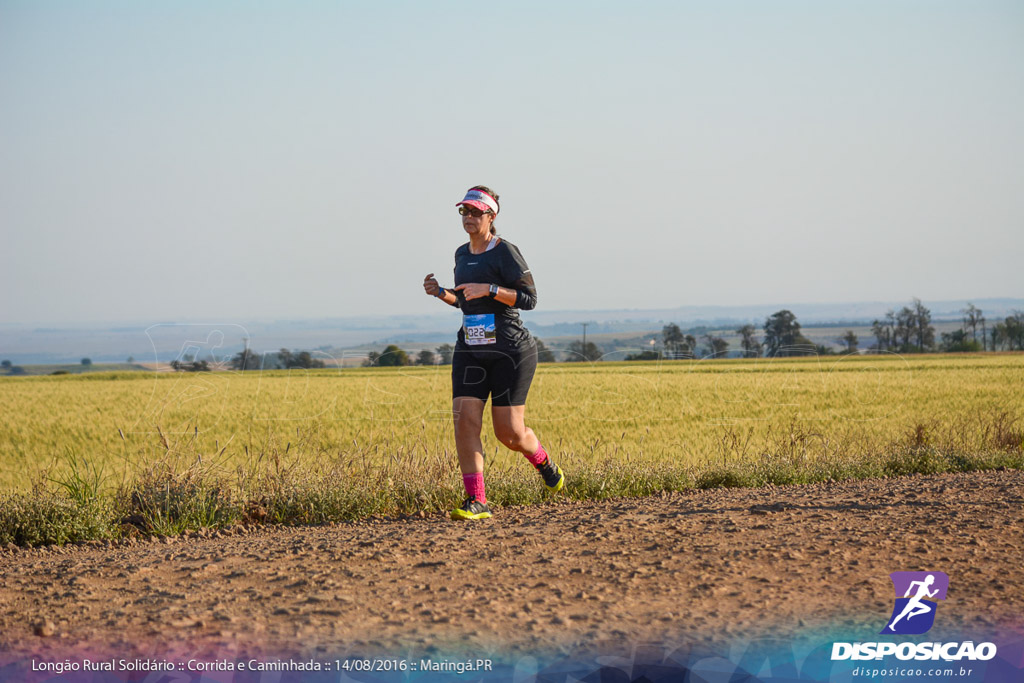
913, 613
947, 652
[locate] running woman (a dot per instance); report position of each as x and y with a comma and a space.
495, 356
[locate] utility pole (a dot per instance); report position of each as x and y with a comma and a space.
585, 339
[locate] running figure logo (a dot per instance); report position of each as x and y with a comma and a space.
916, 595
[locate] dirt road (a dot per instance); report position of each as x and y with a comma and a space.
689, 568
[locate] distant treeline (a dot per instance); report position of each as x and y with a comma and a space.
442, 355
283, 359
908, 330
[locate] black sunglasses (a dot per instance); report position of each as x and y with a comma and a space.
470, 211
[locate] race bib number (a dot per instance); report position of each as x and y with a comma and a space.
479, 329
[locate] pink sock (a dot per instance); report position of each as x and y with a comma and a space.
474, 484
540, 456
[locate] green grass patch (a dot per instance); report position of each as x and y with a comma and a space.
52, 518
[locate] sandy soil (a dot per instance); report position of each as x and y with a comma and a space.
696, 567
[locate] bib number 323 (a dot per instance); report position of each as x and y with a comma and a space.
479, 329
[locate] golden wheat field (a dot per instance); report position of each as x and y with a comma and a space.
685, 412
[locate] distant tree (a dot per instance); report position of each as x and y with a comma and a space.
823, 350
644, 355
882, 333
246, 359
445, 351
372, 358
12, 369
393, 357
193, 366
131, 359
287, 360
957, 341
87, 362
689, 346
426, 357
1015, 329
748, 341
577, 352
850, 339
673, 340
923, 329
1009, 334
782, 334
1000, 337
885, 331
973, 316
544, 354
904, 330
717, 346
305, 360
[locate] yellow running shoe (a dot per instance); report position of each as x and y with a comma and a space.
471, 509
554, 479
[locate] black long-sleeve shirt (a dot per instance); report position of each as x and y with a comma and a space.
503, 266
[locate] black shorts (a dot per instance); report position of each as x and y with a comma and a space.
505, 376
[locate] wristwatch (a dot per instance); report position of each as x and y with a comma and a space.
494, 291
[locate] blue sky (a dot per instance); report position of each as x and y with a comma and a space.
240, 160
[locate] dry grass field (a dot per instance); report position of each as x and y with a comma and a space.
96, 456
680, 413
